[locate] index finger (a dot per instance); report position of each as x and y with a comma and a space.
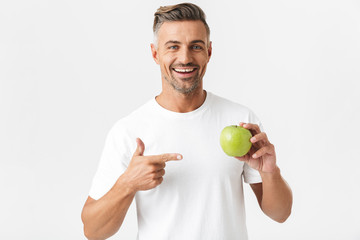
165, 157
254, 127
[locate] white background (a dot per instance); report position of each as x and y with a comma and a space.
70, 69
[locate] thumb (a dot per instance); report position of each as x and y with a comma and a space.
140, 147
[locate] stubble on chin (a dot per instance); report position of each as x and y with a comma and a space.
186, 91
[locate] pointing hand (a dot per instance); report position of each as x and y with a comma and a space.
146, 172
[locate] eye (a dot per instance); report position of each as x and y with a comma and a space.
197, 47
173, 47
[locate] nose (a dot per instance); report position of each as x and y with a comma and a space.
185, 56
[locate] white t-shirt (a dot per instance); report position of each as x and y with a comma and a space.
201, 196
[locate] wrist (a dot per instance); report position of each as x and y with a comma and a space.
274, 174
125, 186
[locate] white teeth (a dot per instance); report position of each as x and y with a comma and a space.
184, 70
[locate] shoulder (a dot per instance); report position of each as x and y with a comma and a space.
225, 104
232, 110
132, 119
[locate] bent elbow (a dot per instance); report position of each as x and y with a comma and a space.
90, 235
283, 218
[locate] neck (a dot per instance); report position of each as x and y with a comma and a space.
182, 103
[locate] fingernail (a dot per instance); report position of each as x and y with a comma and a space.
254, 155
179, 157
253, 139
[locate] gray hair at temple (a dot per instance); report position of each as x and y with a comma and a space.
178, 12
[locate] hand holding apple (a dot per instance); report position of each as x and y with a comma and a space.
262, 155
235, 140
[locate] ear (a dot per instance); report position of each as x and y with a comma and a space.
154, 53
209, 50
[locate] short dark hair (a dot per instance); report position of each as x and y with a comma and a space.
179, 12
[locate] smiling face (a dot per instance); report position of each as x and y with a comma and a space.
183, 51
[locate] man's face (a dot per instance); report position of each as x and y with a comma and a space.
183, 53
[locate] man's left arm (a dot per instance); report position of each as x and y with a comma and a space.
273, 194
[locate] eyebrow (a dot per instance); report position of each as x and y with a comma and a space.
177, 42
198, 41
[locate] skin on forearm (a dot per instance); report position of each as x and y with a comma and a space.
276, 201
102, 218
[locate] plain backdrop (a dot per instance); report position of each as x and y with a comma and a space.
70, 69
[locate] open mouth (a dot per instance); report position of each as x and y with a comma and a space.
185, 73
184, 70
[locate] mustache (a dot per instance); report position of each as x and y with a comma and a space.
184, 65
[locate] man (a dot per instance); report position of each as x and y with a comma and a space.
200, 195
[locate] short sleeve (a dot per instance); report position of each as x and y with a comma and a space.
251, 175
255, 120
112, 164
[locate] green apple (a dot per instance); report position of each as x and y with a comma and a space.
235, 140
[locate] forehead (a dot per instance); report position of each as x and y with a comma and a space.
183, 31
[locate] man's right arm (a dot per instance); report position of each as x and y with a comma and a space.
102, 218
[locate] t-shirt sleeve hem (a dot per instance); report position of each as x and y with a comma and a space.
252, 179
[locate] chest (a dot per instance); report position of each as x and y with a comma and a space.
200, 147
